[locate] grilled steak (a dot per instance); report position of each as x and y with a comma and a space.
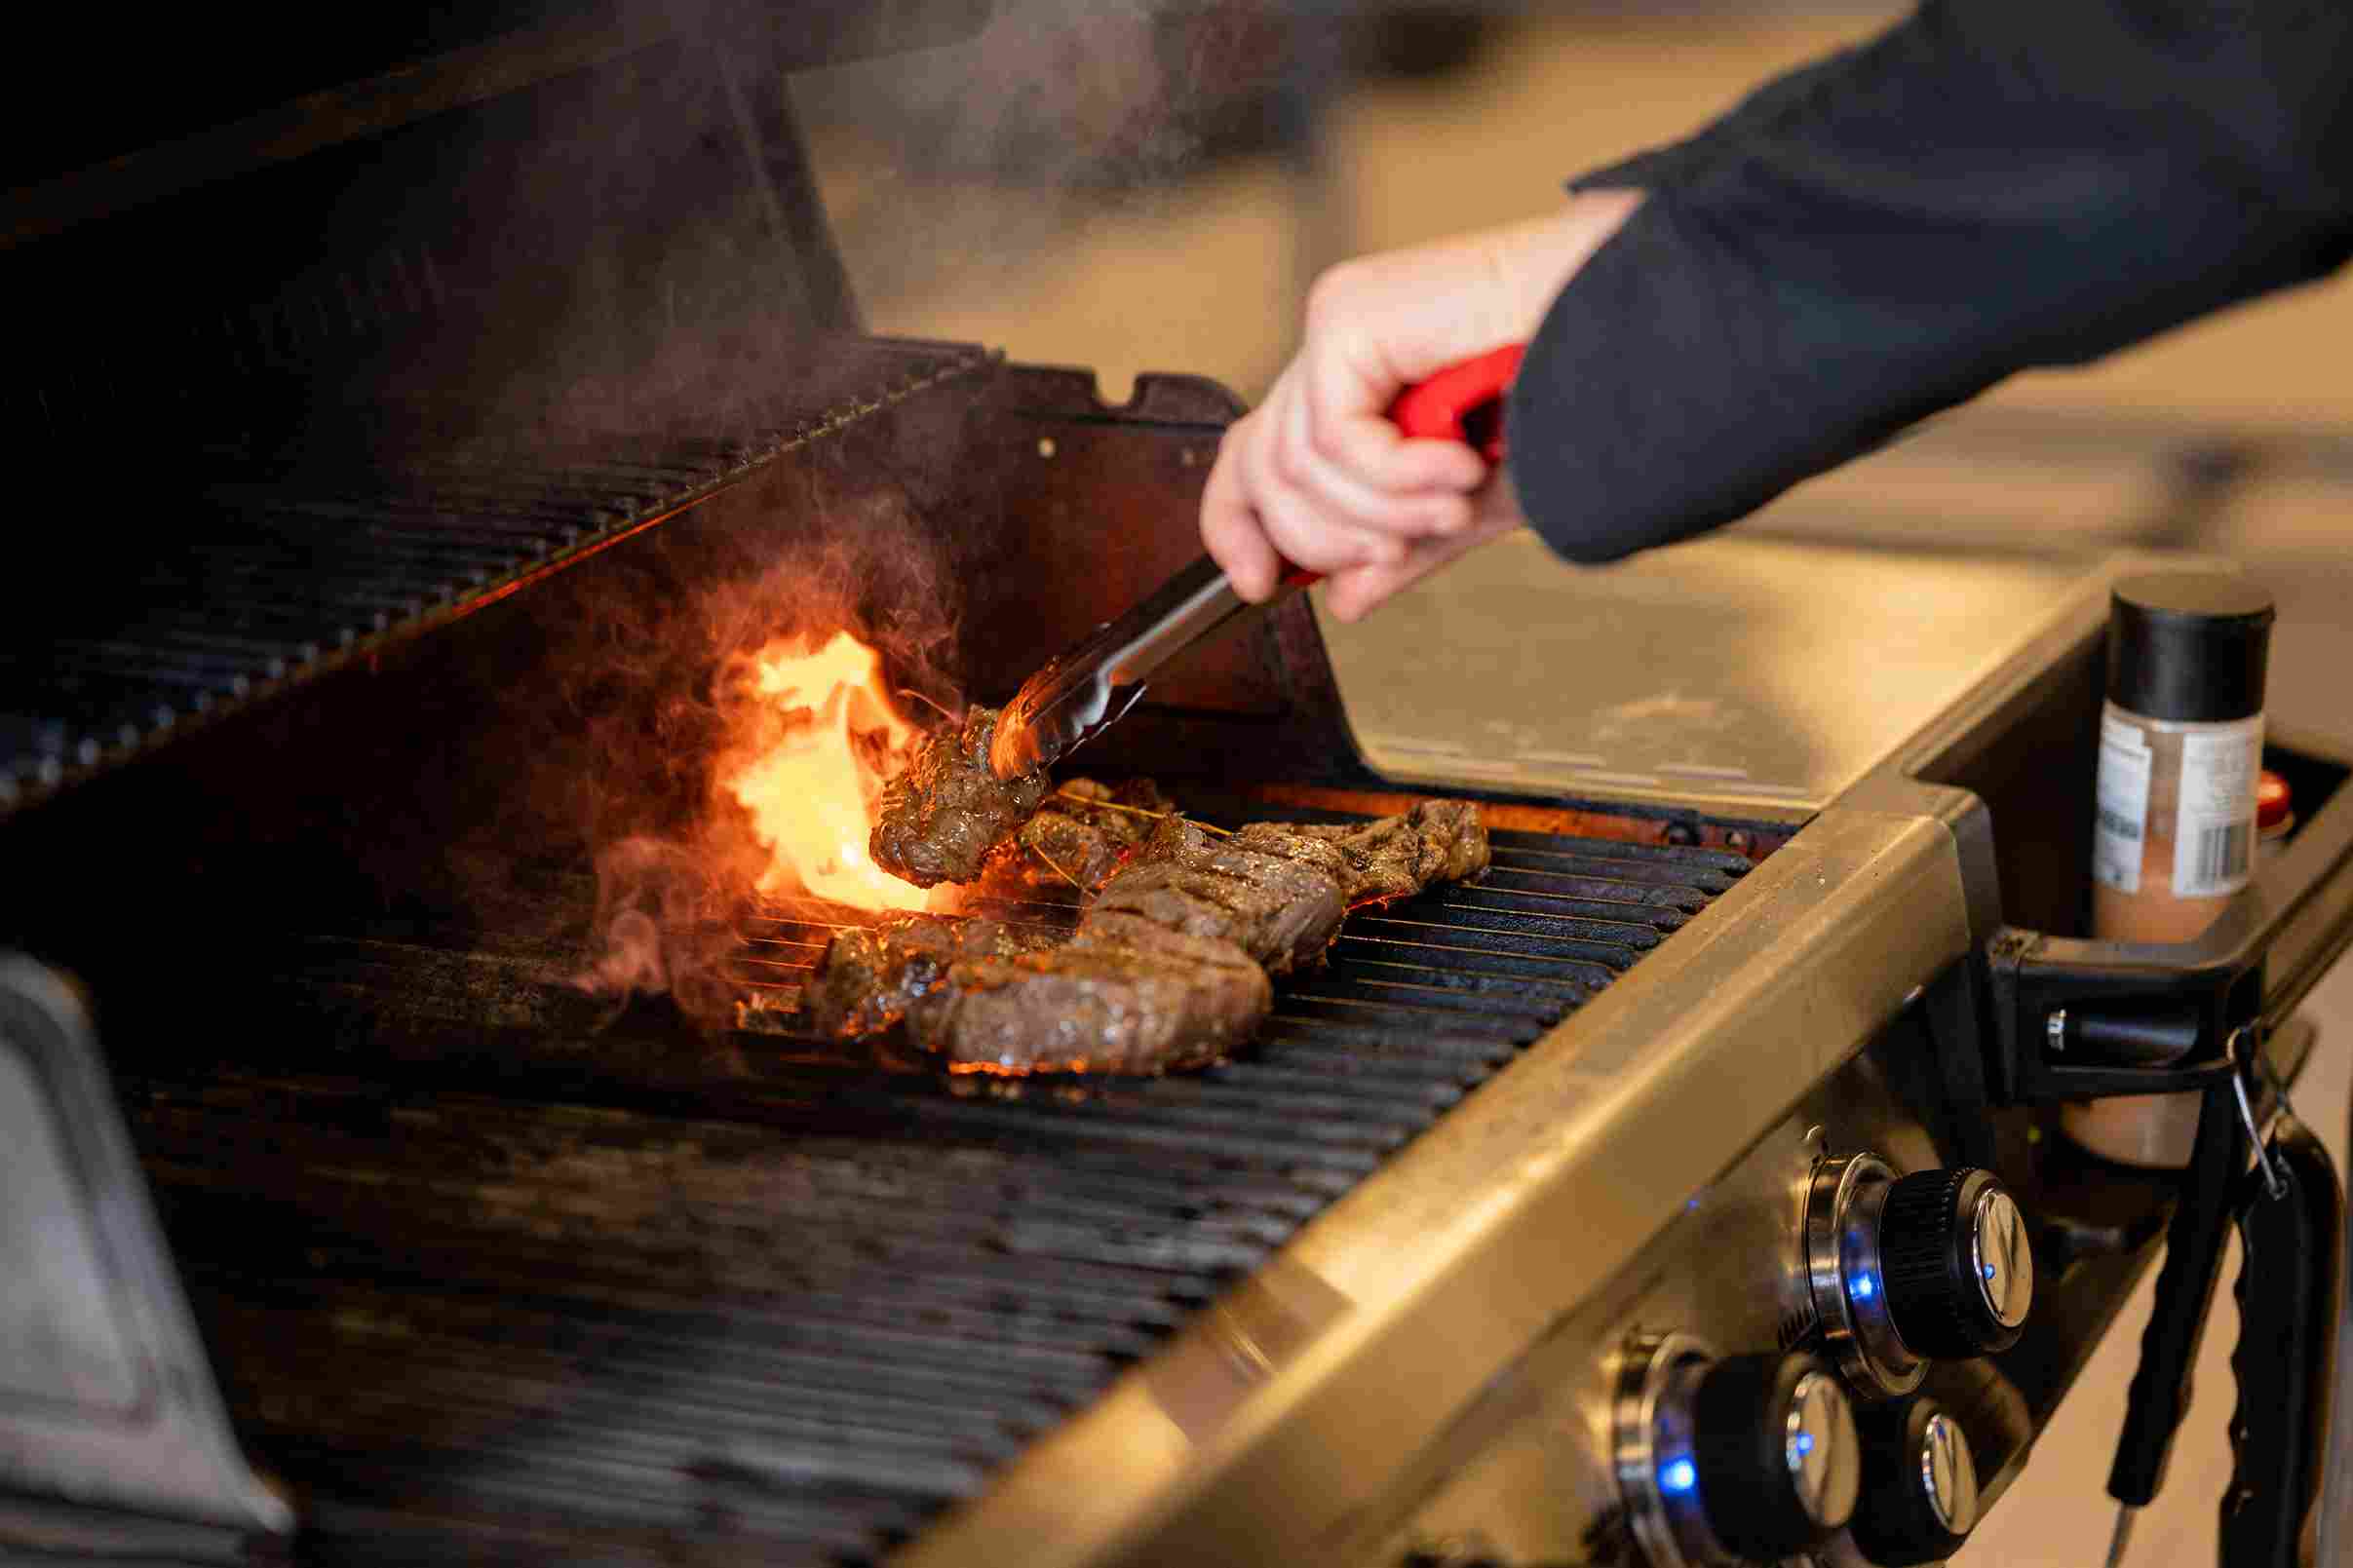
1436, 841
946, 811
1085, 829
869, 978
1280, 907
1169, 965
1119, 997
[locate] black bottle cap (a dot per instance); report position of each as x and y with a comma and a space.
2188, 647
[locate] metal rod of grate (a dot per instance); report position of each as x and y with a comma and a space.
472, 1294
285, 577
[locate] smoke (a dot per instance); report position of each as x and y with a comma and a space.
614, 753
645, 249
948, 172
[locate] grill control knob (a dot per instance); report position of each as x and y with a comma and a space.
1919, 1485
1960, 1273
1775, 1446
1751, 1458
1904, 1269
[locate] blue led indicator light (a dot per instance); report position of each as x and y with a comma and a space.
1987, 1271
1804, 1443
1865, 1287
1679, 1477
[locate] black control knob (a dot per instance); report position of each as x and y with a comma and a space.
1774, 1451
1958, 1272
1919, 1485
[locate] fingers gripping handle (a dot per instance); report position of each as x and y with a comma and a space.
1462, 403
2284, 1360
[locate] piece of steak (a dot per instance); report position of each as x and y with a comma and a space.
1086, 829
1117, 998
1392, 856
1281, 907
870, 976
942, 815
1169, 962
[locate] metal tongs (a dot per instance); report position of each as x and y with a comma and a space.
1088, 688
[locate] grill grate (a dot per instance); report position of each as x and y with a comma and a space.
285, 578
480, 1274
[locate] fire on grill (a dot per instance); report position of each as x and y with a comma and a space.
1169, 966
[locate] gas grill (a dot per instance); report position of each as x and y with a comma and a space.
369, 1235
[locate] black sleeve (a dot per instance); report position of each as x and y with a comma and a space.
1984, 188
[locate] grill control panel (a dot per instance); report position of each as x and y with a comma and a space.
1904, 1269
1638, 1435
1761, 1456
1747, 1457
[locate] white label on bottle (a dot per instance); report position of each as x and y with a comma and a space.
2122, 791
2213, 836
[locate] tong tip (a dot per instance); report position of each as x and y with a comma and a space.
2123, 1535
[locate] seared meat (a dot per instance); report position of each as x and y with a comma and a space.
946, 811
1436, 841
1281, 909
1169, 966
870, 977
1117, 998
1086, 828
1123, 995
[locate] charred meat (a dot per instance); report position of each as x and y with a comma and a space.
872, 977
1437, 841
1281, 906
1086, 830
942, 815
1122, 996
1169, 965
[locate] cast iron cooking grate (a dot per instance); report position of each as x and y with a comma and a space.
484, 1272
282, 573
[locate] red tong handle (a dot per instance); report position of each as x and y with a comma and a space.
1462, 403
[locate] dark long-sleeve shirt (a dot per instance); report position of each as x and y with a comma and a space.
1989, 186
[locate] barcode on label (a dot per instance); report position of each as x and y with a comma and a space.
2118, 823
2222, 854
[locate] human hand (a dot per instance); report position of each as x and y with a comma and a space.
1318, 475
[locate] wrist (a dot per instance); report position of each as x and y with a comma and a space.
1538, 258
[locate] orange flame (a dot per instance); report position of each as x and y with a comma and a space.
813, 793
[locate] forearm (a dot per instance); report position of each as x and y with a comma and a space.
1983, 190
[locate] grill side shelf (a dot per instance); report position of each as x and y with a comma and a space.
486, 1266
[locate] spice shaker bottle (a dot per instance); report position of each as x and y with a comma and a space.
2180, 751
